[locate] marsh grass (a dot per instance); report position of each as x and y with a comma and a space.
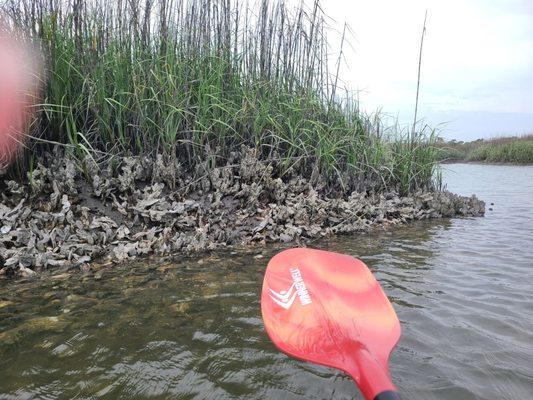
195, 78
504, 151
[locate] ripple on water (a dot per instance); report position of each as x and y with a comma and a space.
463, 290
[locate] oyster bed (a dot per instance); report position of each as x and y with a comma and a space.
64, 218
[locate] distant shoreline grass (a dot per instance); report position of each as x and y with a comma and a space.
508, 150
195, 80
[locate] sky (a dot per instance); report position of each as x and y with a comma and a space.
477, 62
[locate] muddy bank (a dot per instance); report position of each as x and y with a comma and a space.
69, 215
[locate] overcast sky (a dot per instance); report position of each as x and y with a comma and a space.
477, 68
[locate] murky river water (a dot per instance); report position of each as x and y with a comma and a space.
462, 288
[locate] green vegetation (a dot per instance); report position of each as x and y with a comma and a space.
517, 150
455, 150
198, 79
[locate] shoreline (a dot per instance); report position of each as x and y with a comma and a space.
485, 163
63, 219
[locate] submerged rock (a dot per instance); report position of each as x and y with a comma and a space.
5, 303
65, 219
31, 327
181, 307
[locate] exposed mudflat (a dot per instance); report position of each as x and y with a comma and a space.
63, 218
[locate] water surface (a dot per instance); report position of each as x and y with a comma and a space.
462, 288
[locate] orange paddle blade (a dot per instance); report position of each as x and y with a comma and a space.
327, 308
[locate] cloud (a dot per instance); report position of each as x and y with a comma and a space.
478, 55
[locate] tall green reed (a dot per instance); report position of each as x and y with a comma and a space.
187, 77
517, 152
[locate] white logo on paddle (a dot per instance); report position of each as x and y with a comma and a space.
285, 298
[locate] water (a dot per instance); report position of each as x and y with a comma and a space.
462, 288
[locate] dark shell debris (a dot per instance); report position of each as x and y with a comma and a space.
69, 213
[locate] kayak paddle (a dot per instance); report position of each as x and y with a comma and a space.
327, 308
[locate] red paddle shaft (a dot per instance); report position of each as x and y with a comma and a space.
327, 308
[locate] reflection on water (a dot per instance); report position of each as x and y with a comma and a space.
462, 288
